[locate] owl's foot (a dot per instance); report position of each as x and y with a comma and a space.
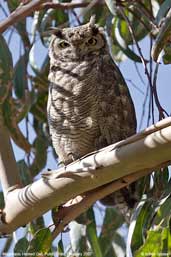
73, 157
61, 164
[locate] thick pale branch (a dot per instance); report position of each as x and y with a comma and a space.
68, 213
143, 151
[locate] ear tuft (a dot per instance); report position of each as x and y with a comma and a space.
92, 21
56, 31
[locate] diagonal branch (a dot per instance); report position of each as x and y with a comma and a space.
138, 154
9, 175
25, 10
68, 213
20, 13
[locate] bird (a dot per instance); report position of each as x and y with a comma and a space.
89, 104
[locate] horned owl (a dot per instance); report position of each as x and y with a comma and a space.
89, 104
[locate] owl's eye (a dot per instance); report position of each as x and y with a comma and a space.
92, 41
63, 44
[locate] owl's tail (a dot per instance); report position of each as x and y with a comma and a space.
124, 200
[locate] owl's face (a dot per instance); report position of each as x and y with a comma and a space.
77, 43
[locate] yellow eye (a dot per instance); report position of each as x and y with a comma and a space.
63, 44
92, 41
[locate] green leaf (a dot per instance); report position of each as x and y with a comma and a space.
21, 247
92, 234
142, 216
9, 113
152, 246
122, 43
13, 4
24, 172
40, 145
167, 54
38, 109
164, 7
41, 243
60, 248
20, 76
36, 225
111, 4
165, 239
163, 212
112, 221
163, 37
2, 203
6, 69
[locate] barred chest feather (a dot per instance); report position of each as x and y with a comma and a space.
86, 106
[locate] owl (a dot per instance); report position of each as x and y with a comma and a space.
89, 104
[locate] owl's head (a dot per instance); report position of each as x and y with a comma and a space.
77, 43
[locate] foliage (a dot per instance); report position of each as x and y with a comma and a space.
23, 97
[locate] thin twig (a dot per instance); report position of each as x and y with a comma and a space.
145, 12
135, 86
151, 85
143, 108
160, 108
3, 10
68, 6
149, 76
139, 74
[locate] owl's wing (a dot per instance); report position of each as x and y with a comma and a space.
117, 119
121, 80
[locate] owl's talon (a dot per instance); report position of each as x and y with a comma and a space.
73, 156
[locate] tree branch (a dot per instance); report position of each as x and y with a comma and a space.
9, 175
68, 213
25, 10
139, 153
20, 13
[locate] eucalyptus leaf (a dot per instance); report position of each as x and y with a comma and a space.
111, 4
163, 37
21, 247
20, 76
141, 218
2, 203
164, 7
111, 222
60, 248
40, 146
41, 243
152, 246
123, 45
92, 234
6, 69
24, 172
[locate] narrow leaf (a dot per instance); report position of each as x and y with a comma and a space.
111, 4
152, 245
6, 69
41, 243
20, 76
21, 247
92, 234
